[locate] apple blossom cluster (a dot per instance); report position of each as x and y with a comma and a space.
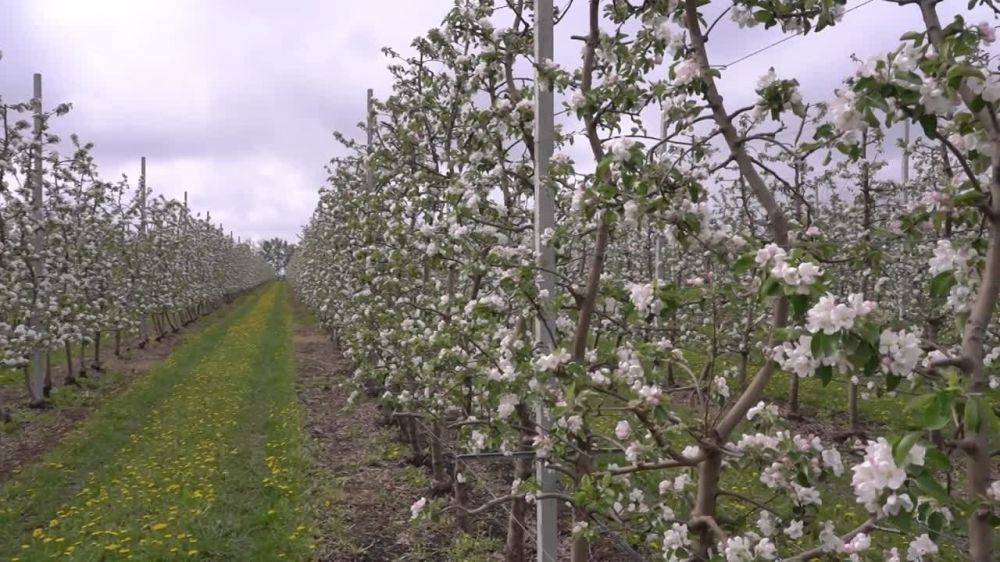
802, 276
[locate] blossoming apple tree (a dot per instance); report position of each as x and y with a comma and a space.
697, 264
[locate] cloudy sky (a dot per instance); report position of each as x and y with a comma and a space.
234, 101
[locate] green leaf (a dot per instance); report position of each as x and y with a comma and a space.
903, 521
937, 414
902, 448
935, 523
771, 287
822, 344
929, 123
969, 198
800, 304
958, 72
892, 382
942, 283
936, 460
743, 264
825, 374
928, 484
973, 415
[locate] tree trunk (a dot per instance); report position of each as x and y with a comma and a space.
47, 385
35, 399
523, 470
440, 476
580, 549
976, 444
705, 503
70, 372
708, 482
460, 489
852, 408
83, 360
793, 394
97, 352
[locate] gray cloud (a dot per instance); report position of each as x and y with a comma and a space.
234, 101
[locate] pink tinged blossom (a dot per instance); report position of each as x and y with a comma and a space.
994, 491
417, 508
622, 430
829, 541
947, 258
860, 543
552, 361
507, 404
832, 460
829, 316
794, 529
805, 495
738, 549
766, 523
651, 394
770, 253
896, 503
877, 473
765, 550
987, 32
846, 118
676, 537
934, 98
686, 72
797, 358
920, 548
643, 296
900, 350
988, 89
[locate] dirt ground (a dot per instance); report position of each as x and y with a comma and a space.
364, 482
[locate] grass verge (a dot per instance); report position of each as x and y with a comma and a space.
201, 459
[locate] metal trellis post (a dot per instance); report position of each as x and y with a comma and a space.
906, 154
144, 334
36, 377
370, 130
547, 514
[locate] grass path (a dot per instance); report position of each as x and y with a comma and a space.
202, 459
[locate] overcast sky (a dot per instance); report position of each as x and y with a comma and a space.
234, 101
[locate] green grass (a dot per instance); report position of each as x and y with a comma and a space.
202, 459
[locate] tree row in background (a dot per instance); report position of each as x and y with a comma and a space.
96, 259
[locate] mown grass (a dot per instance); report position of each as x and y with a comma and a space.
89, 392
201, 459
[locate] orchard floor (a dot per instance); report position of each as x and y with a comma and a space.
202, 458
239, 445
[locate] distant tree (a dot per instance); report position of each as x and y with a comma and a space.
277, 252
